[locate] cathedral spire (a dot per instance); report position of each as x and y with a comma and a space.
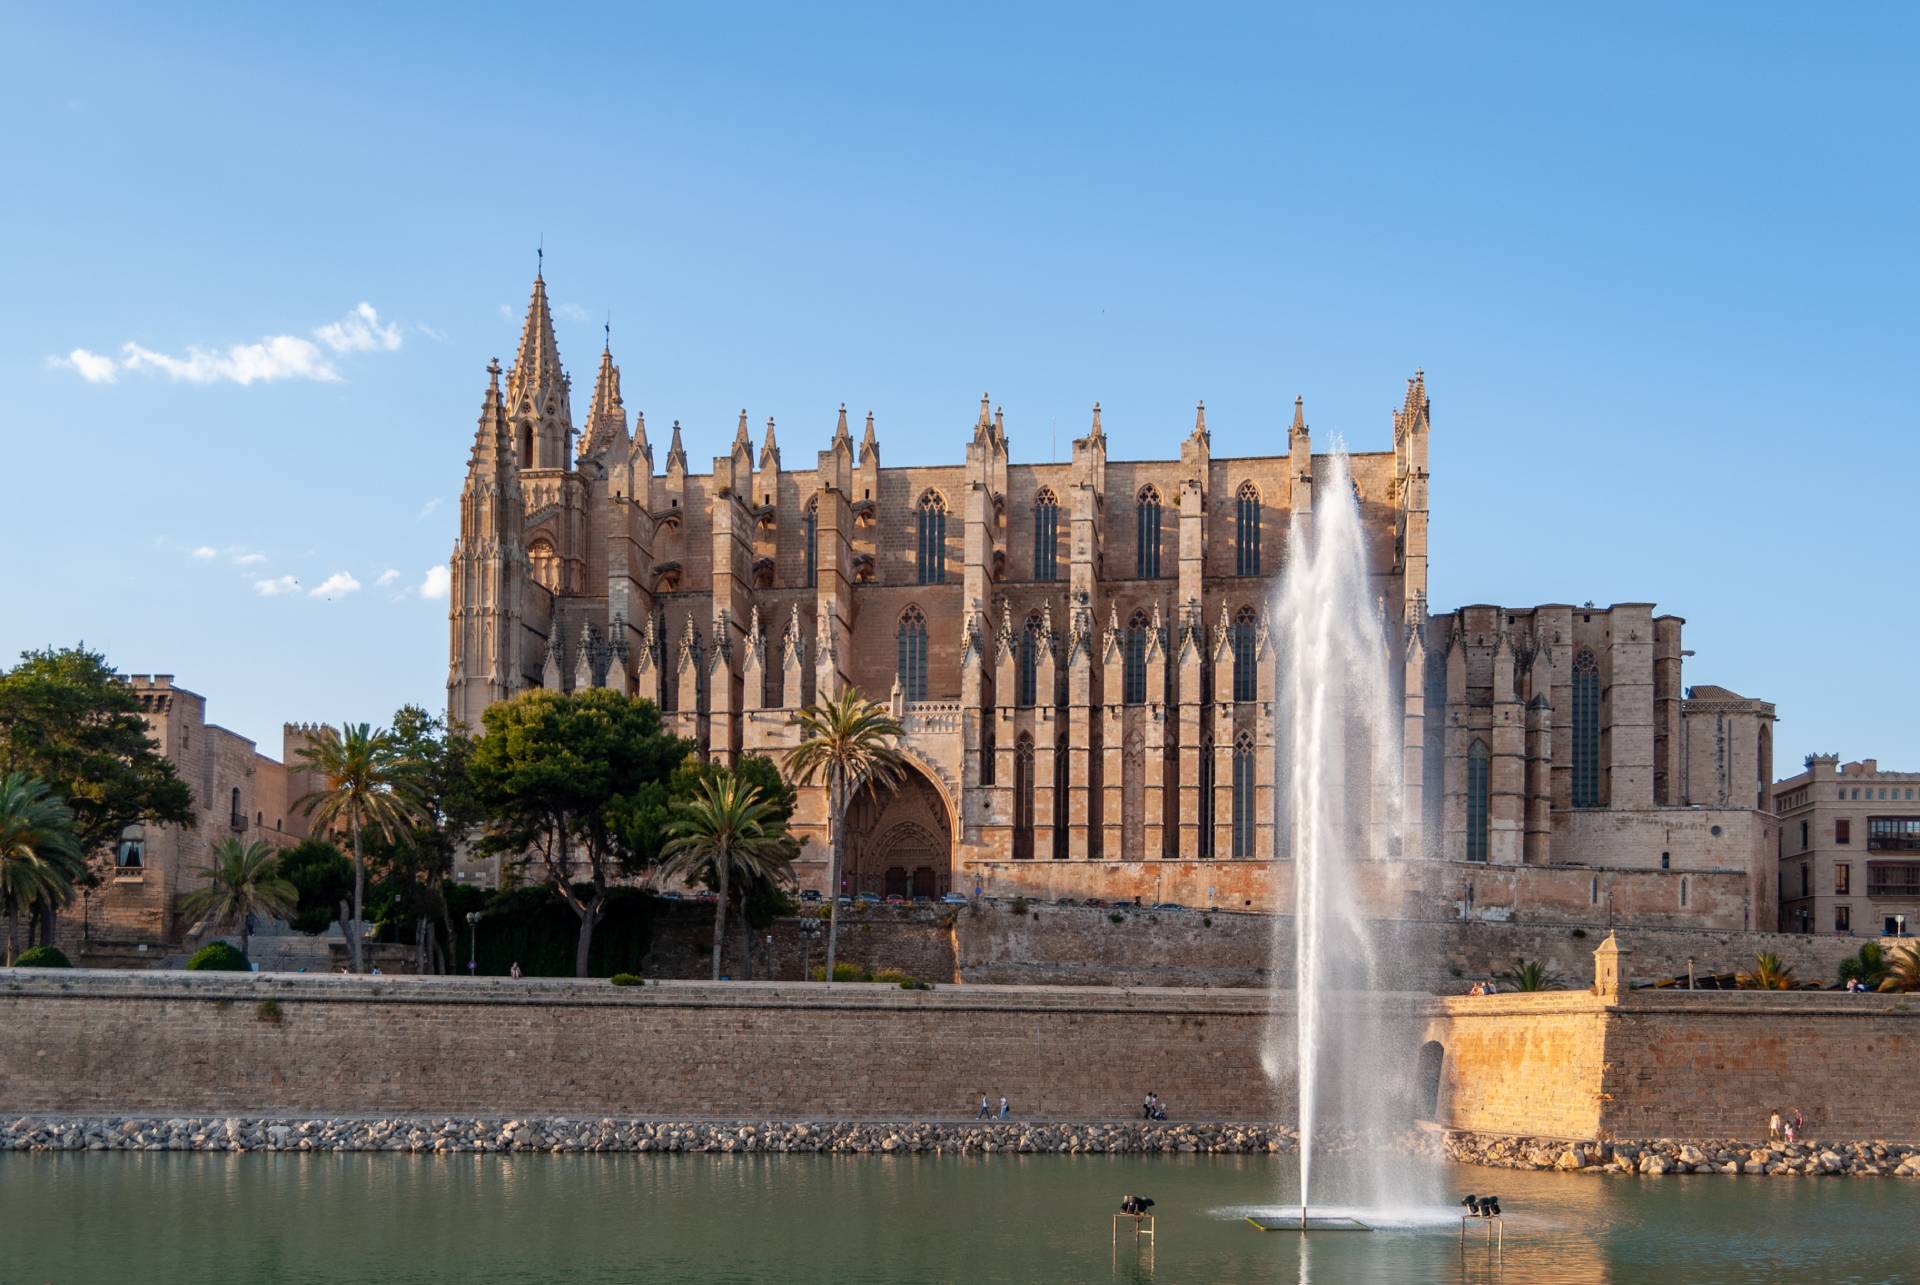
869, 445
675, 451
1096, 430
1299, 414
740, 435
769, 449
536, 365
640, 434
492, 440
1200, 420
608, 417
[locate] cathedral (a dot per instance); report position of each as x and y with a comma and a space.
1080, 656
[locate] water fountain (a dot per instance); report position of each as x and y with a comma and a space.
1338, 773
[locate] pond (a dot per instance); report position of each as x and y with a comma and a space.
178, 1217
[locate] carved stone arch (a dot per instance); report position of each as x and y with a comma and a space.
900, 840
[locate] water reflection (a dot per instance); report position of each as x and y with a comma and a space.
189, 1218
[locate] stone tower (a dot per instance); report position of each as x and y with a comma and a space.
489, 570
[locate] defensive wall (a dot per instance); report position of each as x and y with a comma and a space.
1572, 1064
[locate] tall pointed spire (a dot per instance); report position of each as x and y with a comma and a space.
740, 435
676, 453
607, 419
869, 444
536, 365
1299, 414
640, 434
985, 419
492, 440
1096, 430
770, 449
1200, 420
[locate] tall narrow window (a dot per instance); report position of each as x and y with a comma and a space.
1246, 679
1135, 671
1029, 661
1246, 531
1147, 536
1046, 535
1062, 775
933, 539
913, 654
1243, 795
1206, 794
1477, 801
1023, 798
1586, 730
810, 531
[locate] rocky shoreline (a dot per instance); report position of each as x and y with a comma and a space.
1663, 1156
420, 1134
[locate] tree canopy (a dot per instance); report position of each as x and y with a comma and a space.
67, 718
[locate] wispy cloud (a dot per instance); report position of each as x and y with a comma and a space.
205, 551
337, 585
426, 510
275, 357
248, 559
276, 586
438, 336
387, 577
436, 583
570, 312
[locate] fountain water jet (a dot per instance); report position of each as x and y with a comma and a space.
1339, 773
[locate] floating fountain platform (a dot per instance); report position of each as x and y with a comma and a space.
1312, 1222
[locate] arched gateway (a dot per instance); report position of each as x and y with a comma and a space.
900, 843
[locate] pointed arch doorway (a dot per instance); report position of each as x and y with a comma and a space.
900, 843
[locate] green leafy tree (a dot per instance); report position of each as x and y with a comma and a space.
40, 856
727, 827
1769, 974
415, 863
1903, 971
367, 786
848, 743
1531, 975
759, 900
322, 879
1869, 966
68, 718
574, 790
243, 880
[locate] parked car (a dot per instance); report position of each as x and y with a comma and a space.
871, 898
1168, 905
844, 899
671, 895
1065, 901
1094, 901
922, 900
809, 894
953, 899
895, 899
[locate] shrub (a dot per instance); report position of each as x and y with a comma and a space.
915, 984
1019, 906
891, 975
627, 979
1206, 921
217, 957
842, 972
42, 957
1579, 933
1116, 917
1870, 965
268, 1010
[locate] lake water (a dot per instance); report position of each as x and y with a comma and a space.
177, 1217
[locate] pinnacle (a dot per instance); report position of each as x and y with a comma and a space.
536, 365
740, 436
1096, 420
1200, 419
1299, 415
983, 410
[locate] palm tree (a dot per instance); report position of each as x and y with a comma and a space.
367, 782
727, 826
1531, 975
40, 857
1903, 970
849, 743
1768, 974
242, 881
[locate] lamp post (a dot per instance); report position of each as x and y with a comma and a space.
473, 943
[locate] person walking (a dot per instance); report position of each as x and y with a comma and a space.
1146, 1108
1003, 1106
514, 972
1799, 1123
985, 1110
1773, 1126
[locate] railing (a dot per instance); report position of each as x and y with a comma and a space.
238, 821
932, 716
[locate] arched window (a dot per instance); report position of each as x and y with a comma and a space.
1683, 892
933, 538
1147, 535
1023, 798
1135, 673
1586, 730
1246, 531
913, 654
810, 533
1246, 678
545, 564
1205, 783
238, 817
1029, 661
1046, 535
1477, 801
1243, 795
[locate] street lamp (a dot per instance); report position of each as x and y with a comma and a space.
473, 943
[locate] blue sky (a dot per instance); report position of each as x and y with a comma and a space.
1658, 263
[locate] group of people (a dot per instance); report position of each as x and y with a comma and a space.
1483, 988
986, 1108
1780, 1129
1153, 1108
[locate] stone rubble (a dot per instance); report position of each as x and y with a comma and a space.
1661, 1156
563, 1135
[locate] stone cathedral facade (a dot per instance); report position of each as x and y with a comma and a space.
1080, 655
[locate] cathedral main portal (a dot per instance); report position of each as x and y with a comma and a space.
899, 843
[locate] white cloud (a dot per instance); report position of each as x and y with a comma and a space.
337, 585
439, 336
426, 510
570, 312
360, 331
248, 559
436, 584
204, 552
276, 586
274, 358
387, 577
95, 368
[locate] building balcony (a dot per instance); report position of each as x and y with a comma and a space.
238, 823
